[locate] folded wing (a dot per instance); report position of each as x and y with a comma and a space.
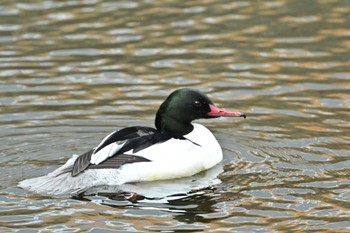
110, 152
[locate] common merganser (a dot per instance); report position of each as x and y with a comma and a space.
176, 148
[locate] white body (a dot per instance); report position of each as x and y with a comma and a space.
172, 159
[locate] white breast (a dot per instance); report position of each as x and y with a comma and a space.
175, 158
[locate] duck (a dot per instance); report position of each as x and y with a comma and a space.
175, 148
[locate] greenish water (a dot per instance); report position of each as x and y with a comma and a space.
73, 71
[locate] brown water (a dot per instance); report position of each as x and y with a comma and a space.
73, 71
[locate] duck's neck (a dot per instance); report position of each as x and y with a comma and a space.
167, 123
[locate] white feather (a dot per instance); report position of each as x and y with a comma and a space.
106, 152
105, 139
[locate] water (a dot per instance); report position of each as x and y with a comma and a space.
73, 71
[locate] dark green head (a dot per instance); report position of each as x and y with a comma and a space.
182, 107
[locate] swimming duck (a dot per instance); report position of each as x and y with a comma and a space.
176, 148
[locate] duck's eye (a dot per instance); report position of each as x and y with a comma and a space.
197, 104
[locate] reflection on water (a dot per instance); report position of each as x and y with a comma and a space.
73, 71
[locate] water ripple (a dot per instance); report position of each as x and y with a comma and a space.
73, 71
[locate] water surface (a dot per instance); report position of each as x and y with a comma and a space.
73, 71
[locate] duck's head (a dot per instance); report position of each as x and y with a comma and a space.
183, 106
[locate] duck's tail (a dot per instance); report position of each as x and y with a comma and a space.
59, 182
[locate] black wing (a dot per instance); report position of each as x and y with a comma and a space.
124, 134
131, 134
